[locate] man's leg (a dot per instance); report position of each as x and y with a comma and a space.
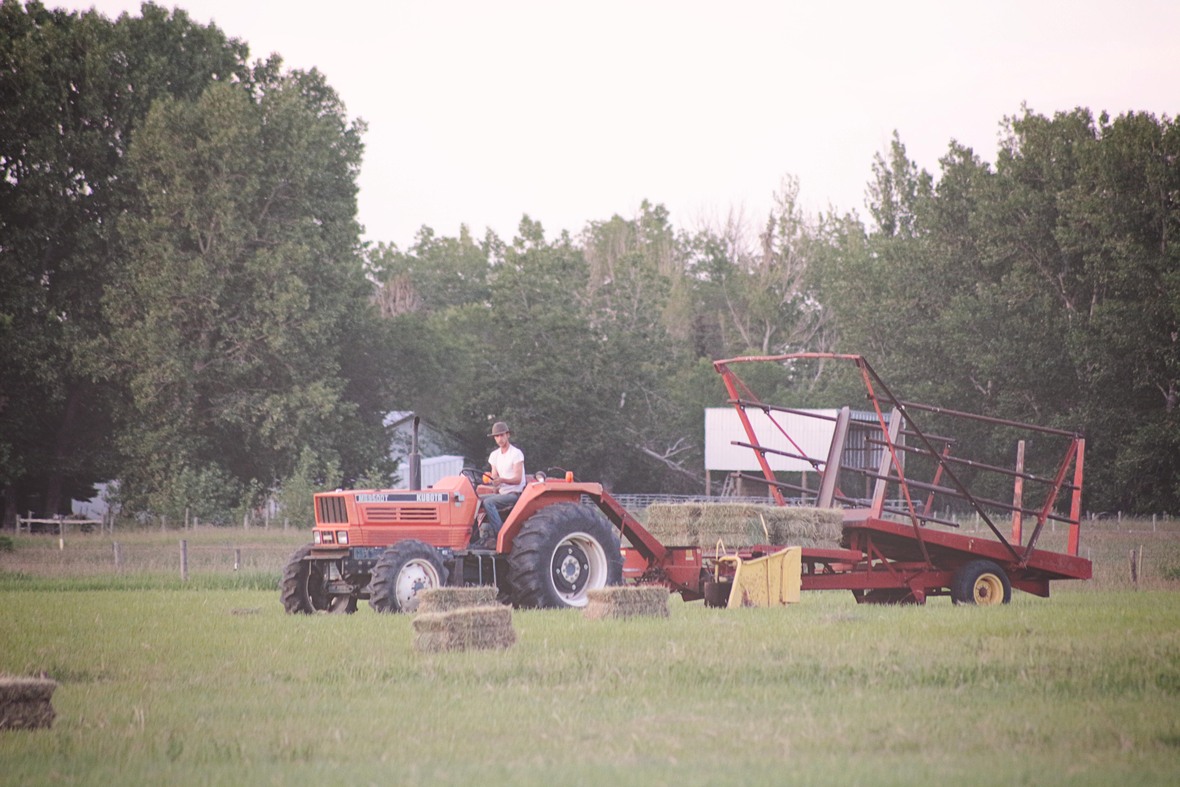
492, 505
493, 513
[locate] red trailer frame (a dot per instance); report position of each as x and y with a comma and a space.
893, 550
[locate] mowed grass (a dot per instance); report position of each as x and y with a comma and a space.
211, 683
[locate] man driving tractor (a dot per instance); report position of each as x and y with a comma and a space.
504, 484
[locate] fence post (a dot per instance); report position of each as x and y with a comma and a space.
118, 555
237, 558
1134, 569
183, 560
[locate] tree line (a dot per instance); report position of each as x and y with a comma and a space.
186, 304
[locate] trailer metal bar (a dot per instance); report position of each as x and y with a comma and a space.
924, 517
768, 407
974, 464
949, 492
987, 419
780, 484
777, 452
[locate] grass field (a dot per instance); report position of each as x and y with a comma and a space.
209, 682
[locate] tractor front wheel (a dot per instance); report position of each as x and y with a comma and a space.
562, 552
981, 582
405, 570
302, 589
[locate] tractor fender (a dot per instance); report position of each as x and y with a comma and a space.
538, 495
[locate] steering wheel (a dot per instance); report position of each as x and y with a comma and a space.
474, 475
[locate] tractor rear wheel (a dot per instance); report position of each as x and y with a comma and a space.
302, 589
403, 571
562, 552
980, 582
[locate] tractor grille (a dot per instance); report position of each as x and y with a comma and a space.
332, 511
401, 514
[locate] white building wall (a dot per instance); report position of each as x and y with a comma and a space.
723, 426
437, 467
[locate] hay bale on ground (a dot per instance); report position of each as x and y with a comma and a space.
25, 702
467, 628
744, 524
627, 601
446, 599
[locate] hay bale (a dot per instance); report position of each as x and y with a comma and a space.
627, 601
744, 524
25, 703
446, 599
467, 628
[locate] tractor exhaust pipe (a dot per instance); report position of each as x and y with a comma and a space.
415, 458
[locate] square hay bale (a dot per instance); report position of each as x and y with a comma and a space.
744, 524
445, 599
467, 628
25, 702
627, 601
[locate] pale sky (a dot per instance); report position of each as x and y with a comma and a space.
481, 111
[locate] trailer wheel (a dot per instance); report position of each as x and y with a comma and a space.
981, 582
562, 552
403, 571
302, 588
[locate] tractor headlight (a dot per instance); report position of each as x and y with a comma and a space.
342, 537
317, 537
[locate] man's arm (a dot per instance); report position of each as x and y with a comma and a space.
517, 473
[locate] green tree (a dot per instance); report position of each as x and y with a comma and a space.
637, 298
1042, 289
242, 287
433, 274
73, 90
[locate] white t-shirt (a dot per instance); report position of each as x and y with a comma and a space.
503, 462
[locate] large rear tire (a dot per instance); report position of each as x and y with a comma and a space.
562, 552
981, 582
405, 570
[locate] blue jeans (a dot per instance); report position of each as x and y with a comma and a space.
492, 505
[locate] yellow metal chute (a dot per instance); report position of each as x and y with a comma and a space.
770, 580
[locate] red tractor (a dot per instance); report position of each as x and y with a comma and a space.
388, 545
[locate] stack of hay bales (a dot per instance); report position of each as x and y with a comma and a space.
744, 524
451, 619
25, 702
627, 602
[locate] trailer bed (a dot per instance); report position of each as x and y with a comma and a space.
883, 555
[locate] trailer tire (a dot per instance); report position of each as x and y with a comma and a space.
402, 572
562, 552
981, 582
302, 587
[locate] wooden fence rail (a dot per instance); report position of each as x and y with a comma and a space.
57, 526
